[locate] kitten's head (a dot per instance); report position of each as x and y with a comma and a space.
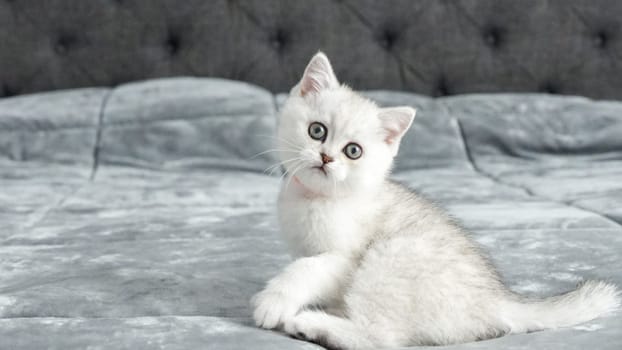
334, 141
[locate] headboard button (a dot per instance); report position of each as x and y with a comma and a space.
387, 39
64, 43
7, 91
278, 39
441, 88
549, 88
172, 44
492, 36
600, 39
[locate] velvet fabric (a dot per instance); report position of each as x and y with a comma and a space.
430, 47
141, 216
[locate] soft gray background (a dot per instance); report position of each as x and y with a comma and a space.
134, 214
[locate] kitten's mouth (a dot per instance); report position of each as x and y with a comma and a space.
321, 168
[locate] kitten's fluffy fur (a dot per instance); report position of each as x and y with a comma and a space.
376, 265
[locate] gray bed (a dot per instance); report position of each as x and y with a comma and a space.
139, 216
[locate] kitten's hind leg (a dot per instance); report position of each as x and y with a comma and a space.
327, 330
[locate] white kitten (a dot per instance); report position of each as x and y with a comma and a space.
377, 266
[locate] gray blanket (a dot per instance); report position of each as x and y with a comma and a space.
141, 217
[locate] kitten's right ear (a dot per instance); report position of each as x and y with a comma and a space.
395, 122
318, 76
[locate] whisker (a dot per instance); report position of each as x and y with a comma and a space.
275, 166
290, 142
287, 141
300, 167
272, 150
284, 174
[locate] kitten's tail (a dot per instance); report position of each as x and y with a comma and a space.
590, 300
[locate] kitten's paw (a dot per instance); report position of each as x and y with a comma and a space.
272, 309
304, 326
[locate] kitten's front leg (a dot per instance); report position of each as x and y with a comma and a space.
308, 280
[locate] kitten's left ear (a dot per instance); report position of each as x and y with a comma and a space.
395, 122
318, 75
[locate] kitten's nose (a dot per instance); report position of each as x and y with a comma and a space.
326, 158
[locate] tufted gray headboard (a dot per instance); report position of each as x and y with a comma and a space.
433, 47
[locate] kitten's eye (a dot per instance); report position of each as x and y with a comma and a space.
353, 151
317, 131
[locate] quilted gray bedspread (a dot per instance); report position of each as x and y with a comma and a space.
141, 216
